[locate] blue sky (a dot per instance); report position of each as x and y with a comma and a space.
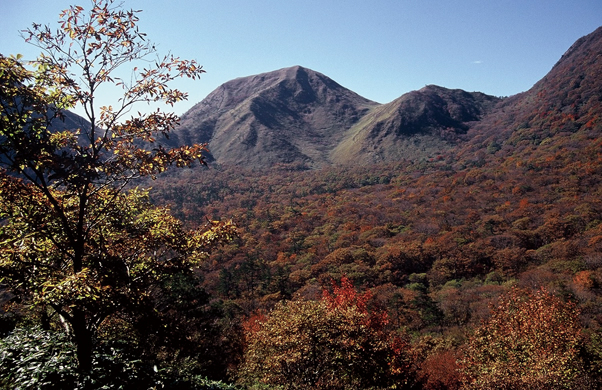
380, 49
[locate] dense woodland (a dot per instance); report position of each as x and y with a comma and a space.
436, 243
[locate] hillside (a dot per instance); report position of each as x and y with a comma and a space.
70, 121
514, 185
561, 111
414, 126
293, 115
296, 115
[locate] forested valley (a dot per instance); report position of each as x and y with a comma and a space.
446, 240
435, 245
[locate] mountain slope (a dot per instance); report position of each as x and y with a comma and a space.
413, 125
70, 121
293, 115
563, 109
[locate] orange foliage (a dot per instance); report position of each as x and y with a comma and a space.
532, 340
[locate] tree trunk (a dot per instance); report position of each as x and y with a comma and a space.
83, 341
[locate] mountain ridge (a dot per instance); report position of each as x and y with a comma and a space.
565, 103
433, 116
299, 116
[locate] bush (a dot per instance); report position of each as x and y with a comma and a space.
39, 359
532, 341
36, 359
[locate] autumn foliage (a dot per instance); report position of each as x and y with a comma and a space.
335, 343
531, 341
460, 249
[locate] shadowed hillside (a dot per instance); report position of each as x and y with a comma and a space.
414, 126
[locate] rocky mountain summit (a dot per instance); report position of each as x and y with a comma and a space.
292, 115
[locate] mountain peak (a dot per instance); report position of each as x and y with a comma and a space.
290, 115
297, 115
429, 118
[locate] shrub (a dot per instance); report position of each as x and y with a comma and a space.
39, 359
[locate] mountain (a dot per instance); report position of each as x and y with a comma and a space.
420, 121
292, 115
511, 203
296, 115
69, 121
563, 109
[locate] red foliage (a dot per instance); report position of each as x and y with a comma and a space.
337, 343
347, 297
252, 324
440, 371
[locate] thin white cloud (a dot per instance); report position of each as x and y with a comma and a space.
477, 62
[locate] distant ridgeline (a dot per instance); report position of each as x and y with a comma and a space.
303, 118
299, 116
